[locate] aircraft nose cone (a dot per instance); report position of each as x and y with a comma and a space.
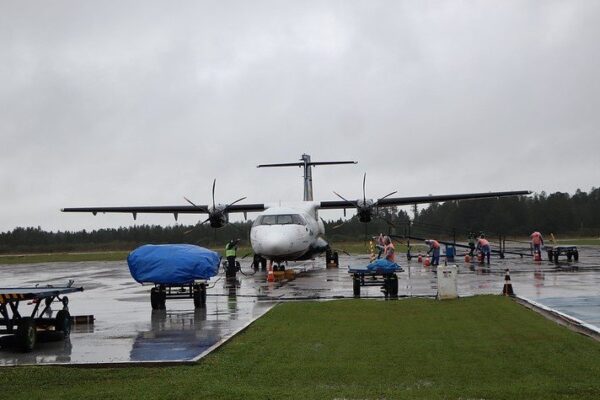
273, 245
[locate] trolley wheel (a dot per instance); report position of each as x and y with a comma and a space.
199, 296
394, 286
26, 334
356, 286
62, 322
158, 299
576, 255
569, 256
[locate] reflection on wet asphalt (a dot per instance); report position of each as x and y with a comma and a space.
127, 330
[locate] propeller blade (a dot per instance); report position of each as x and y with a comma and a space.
189, 231
237, 201
192, 203
205, 221
364, 190
341, 197
385, 197
213, 192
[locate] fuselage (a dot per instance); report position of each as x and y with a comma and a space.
288, 232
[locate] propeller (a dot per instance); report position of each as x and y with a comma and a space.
217, 214
366, 209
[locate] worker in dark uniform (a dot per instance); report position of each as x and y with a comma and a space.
230, 254
471, 244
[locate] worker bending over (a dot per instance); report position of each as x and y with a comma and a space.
483, 245
434, 247
537, 241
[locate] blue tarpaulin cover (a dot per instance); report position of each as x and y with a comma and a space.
383, 265
176, 264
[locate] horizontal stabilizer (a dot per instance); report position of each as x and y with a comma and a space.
302, 164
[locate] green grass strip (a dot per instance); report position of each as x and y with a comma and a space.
484, 347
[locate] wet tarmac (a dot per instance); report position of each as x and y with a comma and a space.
126, 330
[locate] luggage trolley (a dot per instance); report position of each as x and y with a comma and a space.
25, 327
570, 251
387, 278
161, 292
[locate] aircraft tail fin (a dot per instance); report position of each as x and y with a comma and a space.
306, 162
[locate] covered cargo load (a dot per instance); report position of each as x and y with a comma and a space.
383, 266
175, 264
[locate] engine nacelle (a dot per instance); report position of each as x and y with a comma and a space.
365, 210
217, 217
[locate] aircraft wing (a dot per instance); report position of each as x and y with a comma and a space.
175, 210
402, 201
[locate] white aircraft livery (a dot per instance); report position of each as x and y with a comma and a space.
292, 231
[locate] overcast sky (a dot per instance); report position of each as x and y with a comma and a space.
141, 103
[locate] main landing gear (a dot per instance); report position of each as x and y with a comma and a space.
332, 258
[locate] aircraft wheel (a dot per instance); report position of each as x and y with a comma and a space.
336, 258
569, 256
576, 255
63, 322
550, 255
26, 334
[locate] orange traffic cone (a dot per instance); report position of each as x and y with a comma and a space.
270, 276
537, 256
420, 258
508, 289
467, 258
427, 262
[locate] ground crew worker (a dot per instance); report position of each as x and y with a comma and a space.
471, 243
434, 247
389, 250
230, 253
380, 244
483, 245
537, 241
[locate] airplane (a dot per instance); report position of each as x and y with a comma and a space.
291, 231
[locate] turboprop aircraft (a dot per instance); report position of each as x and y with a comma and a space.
292, 231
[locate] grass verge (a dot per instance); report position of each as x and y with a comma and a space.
484, 347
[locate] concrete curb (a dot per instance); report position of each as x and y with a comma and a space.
572, 323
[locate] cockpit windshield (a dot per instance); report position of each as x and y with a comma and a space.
283, 219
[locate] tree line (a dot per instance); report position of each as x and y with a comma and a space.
558, 213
